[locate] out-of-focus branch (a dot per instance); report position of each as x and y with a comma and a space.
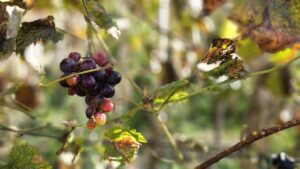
251, 138
277, 67
30, 132
178, 153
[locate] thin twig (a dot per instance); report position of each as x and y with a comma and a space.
251, 138
280, 66
16, 107
29, 132
70, 34
178, 153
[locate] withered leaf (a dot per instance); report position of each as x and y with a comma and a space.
274, 25
211, 5
9, 26
222, 53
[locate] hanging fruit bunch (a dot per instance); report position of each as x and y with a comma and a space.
96, 86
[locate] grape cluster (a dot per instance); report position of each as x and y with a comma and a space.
97, 87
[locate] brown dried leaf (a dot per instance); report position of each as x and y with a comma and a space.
211, 5
274, 25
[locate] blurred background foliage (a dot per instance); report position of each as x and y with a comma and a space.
161, 42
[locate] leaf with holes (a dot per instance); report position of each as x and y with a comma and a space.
41, 29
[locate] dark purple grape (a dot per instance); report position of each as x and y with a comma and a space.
64, 83
94, 91
98, 101
100, 75
89, 99
90, 111
77, 67
88, 64
108, 91
79, 91
75, 56
67, 65
109, 70
87, 82
114, 78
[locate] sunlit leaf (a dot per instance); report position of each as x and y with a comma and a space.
172, 92
117, 133
41, 29
124, 145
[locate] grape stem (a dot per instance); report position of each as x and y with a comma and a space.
71, 75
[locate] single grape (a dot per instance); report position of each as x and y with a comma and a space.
114, 78
88, 64
108, 91
100, 59
75, 56
100, 75
64, 83
91, 124
79, 91
72, 81
94, 91
88, 82
89, 99
90, 110
107, 106
67, 65
77, 67
100, 118
98, 100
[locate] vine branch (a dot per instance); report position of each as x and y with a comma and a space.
251, 138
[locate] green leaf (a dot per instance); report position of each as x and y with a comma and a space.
117, 133
98, 14
172, 92
27, 157
41, 29
124, 145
